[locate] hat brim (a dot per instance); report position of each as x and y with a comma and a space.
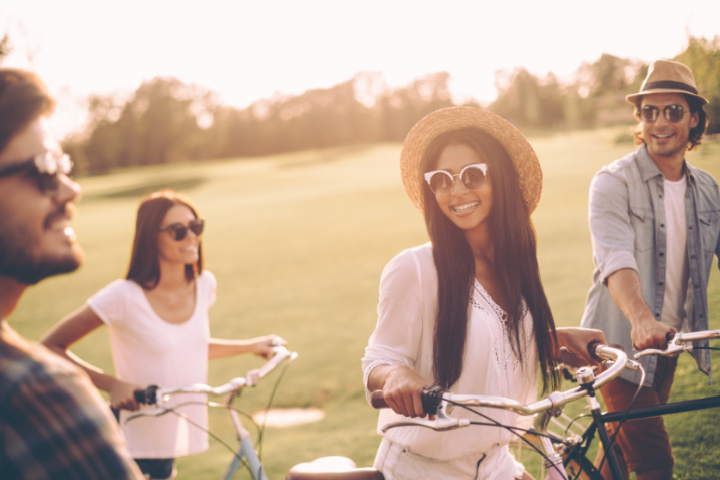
633, 97
445, 120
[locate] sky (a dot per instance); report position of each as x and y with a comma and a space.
249, 50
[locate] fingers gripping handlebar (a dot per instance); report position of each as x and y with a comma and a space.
431, 398
147, 396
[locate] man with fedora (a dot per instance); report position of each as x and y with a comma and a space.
655, 223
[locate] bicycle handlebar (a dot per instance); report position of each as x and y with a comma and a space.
676, 344
155, 395
615, 358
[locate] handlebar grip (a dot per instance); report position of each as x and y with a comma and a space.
148, 395
377, 400
431, 398
591, 350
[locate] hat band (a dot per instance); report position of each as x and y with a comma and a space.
670, 84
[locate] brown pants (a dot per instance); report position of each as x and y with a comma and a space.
643, 445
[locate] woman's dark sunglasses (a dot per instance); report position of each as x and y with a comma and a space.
672, 113
45, 167
471, 176
178, 231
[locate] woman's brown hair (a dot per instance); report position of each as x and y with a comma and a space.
144, 266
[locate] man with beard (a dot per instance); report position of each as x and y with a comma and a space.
53, 423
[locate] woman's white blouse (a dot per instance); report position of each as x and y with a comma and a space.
148, 350
404, 335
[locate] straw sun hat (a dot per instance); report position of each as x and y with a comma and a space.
665, 76
455, 118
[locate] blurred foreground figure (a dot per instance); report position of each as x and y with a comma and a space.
53, 423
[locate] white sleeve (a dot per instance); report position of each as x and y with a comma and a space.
110, 303
397, 335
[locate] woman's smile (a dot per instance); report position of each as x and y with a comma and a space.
467, 209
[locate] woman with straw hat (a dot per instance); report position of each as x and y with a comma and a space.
466, 311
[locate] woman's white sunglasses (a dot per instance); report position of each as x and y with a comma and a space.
471, 176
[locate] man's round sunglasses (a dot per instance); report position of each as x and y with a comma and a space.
178, 231
471, 176
45, 167
672, 113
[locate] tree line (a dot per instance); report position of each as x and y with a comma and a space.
166, 121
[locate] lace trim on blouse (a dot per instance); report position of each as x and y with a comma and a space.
505, 359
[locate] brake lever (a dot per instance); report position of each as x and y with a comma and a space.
674, 348
155, 412
441, 423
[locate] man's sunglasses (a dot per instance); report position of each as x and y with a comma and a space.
178, 231
672, 113
471, 176
46, 167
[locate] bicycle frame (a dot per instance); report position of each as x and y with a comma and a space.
598, 424
246, 450
681, 342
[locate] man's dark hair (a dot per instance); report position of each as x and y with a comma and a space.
23, 98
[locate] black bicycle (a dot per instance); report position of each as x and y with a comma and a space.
562, 441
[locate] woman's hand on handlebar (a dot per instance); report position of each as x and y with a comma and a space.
264, 346
577, 340
122, 395
402, 389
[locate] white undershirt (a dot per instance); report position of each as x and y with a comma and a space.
676, 272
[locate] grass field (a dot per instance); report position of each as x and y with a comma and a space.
298, 242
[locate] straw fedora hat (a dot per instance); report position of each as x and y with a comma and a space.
665, 76
455, 118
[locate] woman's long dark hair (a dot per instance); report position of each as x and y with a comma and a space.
515, 256
144, 266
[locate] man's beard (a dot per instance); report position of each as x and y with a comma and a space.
18, 262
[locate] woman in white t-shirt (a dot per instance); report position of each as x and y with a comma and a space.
159, 329
468, 310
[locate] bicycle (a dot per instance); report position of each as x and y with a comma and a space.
565, 454
246, 455
441, 404
576, 446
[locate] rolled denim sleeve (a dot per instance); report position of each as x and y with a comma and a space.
613, 236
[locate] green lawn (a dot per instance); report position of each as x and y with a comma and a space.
297, 243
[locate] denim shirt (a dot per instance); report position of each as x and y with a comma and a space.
627, 225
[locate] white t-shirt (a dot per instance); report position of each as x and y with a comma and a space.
676, 268
404, 335
150, 351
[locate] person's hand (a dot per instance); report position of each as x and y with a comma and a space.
403, 391
264, 346
651, 334
576, 340
122, 395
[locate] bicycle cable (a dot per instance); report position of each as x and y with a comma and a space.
512, 430
261, 432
